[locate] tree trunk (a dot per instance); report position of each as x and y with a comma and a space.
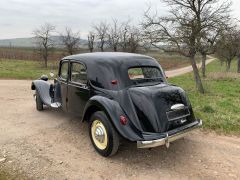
45, 62
221, 61
45, 58
204, 58
238, 66
197, 77
228, 65
101, 47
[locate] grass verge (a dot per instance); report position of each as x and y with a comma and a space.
219, 107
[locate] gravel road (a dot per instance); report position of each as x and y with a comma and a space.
55, 145
180, 71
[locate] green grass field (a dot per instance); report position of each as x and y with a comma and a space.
219, 107
19, 69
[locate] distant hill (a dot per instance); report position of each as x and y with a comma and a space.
30, 42
18, 42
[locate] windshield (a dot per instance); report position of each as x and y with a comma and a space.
145, 74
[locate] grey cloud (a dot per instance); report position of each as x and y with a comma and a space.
19, 17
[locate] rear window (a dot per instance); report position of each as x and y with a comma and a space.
137, 73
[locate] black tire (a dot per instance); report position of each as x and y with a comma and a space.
112, 135
39, 103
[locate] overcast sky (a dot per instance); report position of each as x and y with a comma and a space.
18, 18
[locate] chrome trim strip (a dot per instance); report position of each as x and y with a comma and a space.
166, 140
177, 106
179, 117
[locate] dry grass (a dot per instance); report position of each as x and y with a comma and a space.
167, 60
170, 61
223, 75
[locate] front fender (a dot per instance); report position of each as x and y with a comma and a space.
42, 88
113, 111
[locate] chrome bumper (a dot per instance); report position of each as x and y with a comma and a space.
166, 140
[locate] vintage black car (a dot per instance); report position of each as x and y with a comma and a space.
121, 96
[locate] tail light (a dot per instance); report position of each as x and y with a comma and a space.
114, 82
123, 120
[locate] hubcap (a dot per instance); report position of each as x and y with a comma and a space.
99, 134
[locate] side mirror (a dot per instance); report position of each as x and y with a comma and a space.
51, 74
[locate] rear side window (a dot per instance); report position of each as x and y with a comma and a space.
64, 71
144, 73
78, 73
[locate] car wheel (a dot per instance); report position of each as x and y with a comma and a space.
39, 103
103, 135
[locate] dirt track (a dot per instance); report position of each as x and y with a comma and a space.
180, 71
55, 145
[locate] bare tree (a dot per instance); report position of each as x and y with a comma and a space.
101, 34
44, 41
70, 40
124, 36
130, 38
207, 46
180, 30
91, 39
114, 35
134, 39
211, 22
228, 46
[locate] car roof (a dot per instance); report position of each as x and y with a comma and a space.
109, 57
103, 67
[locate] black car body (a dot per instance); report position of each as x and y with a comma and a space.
140, 108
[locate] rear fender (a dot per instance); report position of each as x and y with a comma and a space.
113, 111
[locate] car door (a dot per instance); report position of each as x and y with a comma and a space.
63, 77
78, 90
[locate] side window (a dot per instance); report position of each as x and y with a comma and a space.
78, 73
64, 71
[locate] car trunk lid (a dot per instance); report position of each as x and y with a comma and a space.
153, 106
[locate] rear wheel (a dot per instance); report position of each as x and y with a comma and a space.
39, 103
103, 135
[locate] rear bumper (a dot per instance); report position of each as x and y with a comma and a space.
169, 136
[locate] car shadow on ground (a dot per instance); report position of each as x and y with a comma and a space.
178, 152
128, 154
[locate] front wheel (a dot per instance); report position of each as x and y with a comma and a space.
39, 103
103, 135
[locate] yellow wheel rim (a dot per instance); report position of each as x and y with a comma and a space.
99, 134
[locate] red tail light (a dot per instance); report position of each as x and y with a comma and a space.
123, 120
114, 82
